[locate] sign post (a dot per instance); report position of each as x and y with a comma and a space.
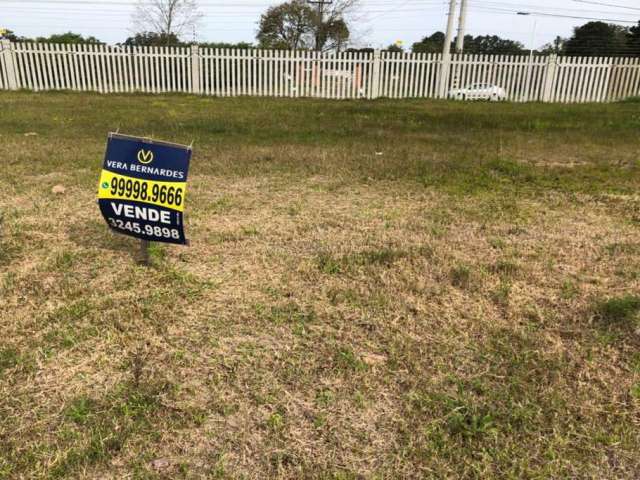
142, 189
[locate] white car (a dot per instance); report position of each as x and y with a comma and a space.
479, 91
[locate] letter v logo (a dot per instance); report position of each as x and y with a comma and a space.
145, 156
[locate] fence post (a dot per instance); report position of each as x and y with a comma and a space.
195, 70
375, 82
9, 61
550, 78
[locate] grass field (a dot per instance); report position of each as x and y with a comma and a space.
376, 290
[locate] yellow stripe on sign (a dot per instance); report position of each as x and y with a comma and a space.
120, 187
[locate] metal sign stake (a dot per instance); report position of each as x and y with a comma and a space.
144, 252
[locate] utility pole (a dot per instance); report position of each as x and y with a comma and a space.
461, 27
462, 21
446, 51
320, 4
450, 22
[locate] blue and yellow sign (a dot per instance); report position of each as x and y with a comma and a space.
142, 188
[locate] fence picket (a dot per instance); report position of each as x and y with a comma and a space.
635, 85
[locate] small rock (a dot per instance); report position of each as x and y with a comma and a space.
58, 190
159, 463
30, 134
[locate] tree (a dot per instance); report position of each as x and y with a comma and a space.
492, 45
238, 46
12, 37
395, 48
482, 44
166, 17
331, 24
296, 24
556, 47
68, 37
153, 39
597, 39
368, 50
633, 40
431, 44
332, 34
287, 26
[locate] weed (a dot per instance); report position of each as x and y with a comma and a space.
346, 359
9, 358
80, 410
287, 313
324, 397
469, 423
505, 268
328, 264
568, 290
275, 422
623, 248
64, 261
383, 256
501, 294
72, 312
618, 309
461, 276
497, 243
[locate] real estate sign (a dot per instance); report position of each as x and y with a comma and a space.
142, 188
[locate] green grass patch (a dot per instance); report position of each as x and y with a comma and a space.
619, 310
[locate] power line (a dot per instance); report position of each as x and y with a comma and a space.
607, 4
547, 9
553, 15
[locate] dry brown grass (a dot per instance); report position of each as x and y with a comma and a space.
328, 321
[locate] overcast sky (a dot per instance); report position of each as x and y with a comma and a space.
380, 22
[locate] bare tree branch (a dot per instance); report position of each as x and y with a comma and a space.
166, 17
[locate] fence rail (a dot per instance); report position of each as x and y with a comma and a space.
280, 73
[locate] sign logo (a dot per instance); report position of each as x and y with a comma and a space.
145, 156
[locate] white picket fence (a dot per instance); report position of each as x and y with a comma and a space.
278, 73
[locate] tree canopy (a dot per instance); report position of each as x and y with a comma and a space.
597, 39
285, 26
633, 40
431, 44
11, 36
555, 47
239, 45
153, 39
68, 37
297, 25
492, 45
482, 44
